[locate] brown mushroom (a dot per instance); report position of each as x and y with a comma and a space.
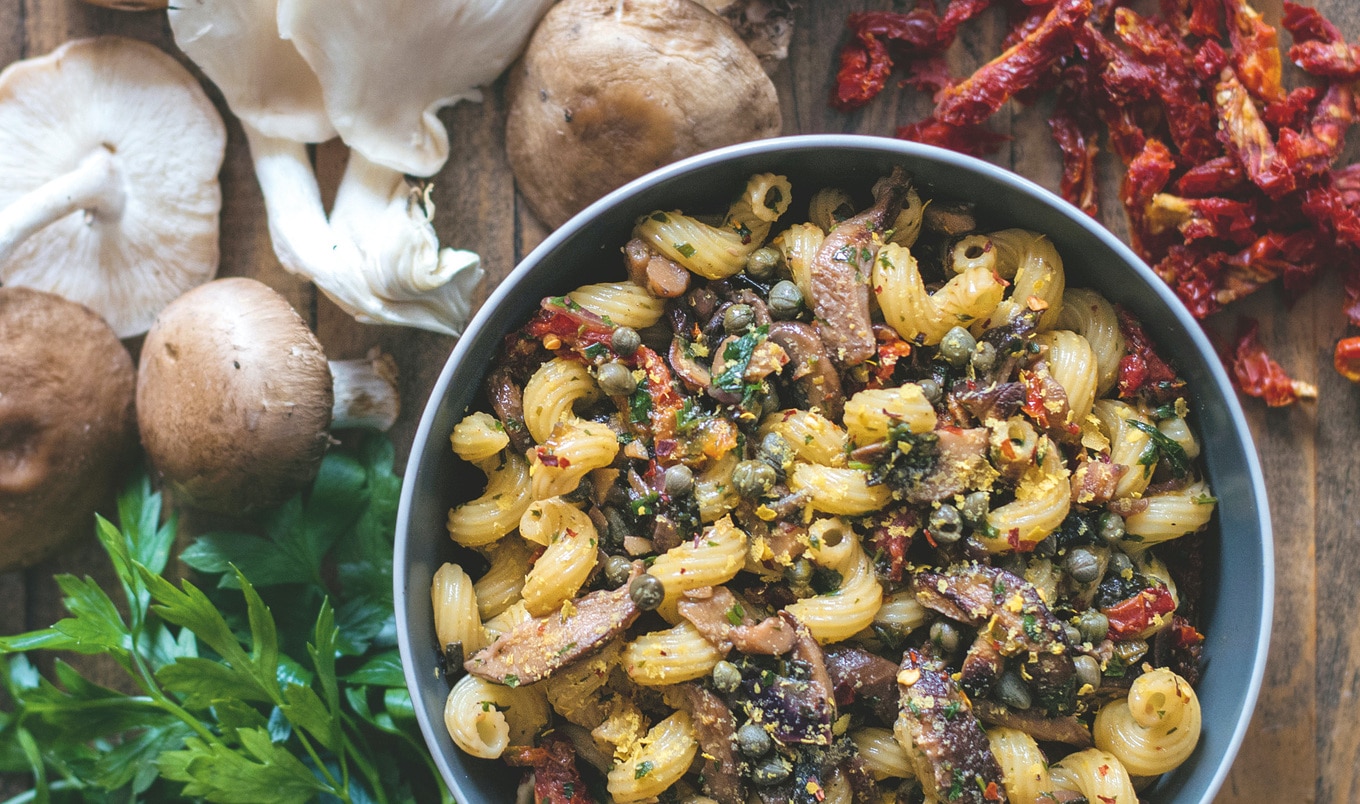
608, 90
67, 425
235, 398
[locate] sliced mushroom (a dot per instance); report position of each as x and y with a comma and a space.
67, 426
109, 154
235, 398
815, 380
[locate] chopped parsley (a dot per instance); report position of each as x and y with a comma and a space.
643, 768
1166, 448
685, 249
735, 614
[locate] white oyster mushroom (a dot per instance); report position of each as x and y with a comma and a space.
109, 155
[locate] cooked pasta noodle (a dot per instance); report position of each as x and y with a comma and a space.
575, 448
484, 718
623, 304
568, 560
1155, 728
838, 491
850, 608
882, 753
813, 437
717, 252
870, 414
478, 437
1097, 775
1170, 515
1032, 263
799, 244
923, 317
496, 512
1129, 444
456, 617
503, 583
829, 206
1072, 363
669, 657
551, 393
1023, 765
1041, 503
659, 762
712, 559
1087, 313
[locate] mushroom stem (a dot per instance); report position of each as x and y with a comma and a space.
365, 392
94, 186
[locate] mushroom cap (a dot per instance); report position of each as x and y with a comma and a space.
606, 92
263, 78
422, 56
67, 425
165, 140
233, 397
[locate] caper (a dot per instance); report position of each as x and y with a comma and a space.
763, 262
1111, 527
616, 571
775, 451
975, 507
1072, 633
1046, 548
1014, 563
1012, 691
617, 527
726, 677
931, 390
753, 741
786, 300
753, 478
771, 772
769, 398
1088, 672
946, 524
799, 573
678, 481
945, 636
1120, 566
957, 345
984, 357
737, 318
647, 592
616, 380
1093, 625
1083, 565
625, 340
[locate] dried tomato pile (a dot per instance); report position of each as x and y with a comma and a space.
1230, 181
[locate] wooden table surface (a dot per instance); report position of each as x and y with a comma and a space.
1304, 743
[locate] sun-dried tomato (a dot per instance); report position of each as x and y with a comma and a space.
1146, 176
556, 780
1294, 111
1313, 151
1188, 116
1206, 18
956, 14
1319, 48
972, 140
1130, 618
1247, 137
1346, 358
1200, 218
928, 74
1074, 129
1256, 374
979, 96
864, 72
1193, 273
1326, 207
1255, 50
1210, 59
1142, 370
1125, 79
918, 28
1221, 175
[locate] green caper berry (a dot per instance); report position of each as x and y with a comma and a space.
1082, 565
625, 341
945, 636
1088, 672
1120, 565
763, 262
956, 347
984, 356
775, 451
616, 380
946, 525
616, 570
799, 573
931, 390
771, 772
738, 318
647, 592
678, 481
1093, 625
753, 478
1111, 527
1012, 691
753, 741
975, 507
786, 300
726, 677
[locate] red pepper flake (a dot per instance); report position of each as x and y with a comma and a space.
1257, 374
992, 792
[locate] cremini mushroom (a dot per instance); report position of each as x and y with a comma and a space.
109, 154
67, 427
280, 62
608, 90
235, 398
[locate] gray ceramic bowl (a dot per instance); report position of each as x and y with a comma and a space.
1238, 584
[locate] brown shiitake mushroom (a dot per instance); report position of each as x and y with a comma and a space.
235, 397
607, 91
67, 426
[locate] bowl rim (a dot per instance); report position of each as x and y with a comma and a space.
818, 142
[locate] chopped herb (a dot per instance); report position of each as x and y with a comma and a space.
660, 217
640, 403
735, 614
596, 351
512, 681
736, 357
952, 709
685, 249
1167, 446
643, 768
1031, 625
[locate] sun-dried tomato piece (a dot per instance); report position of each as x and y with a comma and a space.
1350, 283
1142, 370
1294, 111
956, 14
1146, 176
1025, 19
1256, 374
1346, 358
1199, 218
1221, 175
556, 780
1188, 116
1313, 151
1247, 137
1319, 48
928, 74
864, 72
974, 140
1210, 59
1255, 50
1193, 273
1206, 18
1326, 206
1074, 129
918, 28
980, 95
1346, 180
1130, 618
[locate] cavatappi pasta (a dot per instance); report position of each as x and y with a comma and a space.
723, 556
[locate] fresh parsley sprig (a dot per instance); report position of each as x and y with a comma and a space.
280, 684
